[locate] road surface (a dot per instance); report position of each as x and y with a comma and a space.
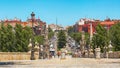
62, 63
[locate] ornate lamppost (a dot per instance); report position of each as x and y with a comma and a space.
32, 49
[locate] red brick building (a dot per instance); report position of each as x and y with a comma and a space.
84, 24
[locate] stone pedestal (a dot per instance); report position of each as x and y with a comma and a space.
63, 55
97, 50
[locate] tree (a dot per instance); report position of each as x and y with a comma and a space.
50, 33
40, 39
61, 39
87, 38
10, 38
7, 38
18, 35
76, 36
115, 36
22, 36
100, 39
16, 39
26, 36
87, 42
70, 30
3, 37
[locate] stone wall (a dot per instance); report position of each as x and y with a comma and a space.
113, 55
4, 56
110, 55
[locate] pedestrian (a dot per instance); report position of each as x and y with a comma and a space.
79, 53
59, 54
50, 55
83, 55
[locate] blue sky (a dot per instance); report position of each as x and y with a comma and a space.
67, 12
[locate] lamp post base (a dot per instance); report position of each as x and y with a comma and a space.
32, 58
32, 55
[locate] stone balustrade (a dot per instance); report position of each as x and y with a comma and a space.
4, 56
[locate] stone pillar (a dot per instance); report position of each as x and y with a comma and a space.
97, 50
63, 54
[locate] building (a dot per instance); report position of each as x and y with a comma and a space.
38, 25
53, 27
56, 27
84, 25
89, 25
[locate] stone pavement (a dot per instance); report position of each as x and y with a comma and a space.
64, 63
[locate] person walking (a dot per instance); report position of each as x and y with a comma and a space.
59, 54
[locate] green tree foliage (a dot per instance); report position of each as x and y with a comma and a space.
26, 36
50, 33
14, 39
39, 39
20, 38
3, 34
87, 38
2, 38
10, 38
115, 36
7, 38
61, 39
70, 30
100, 38
76, 36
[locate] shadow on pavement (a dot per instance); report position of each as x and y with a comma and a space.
114, 62
7, 63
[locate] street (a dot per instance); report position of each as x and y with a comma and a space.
64, 63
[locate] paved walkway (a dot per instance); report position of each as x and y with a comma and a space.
64, 63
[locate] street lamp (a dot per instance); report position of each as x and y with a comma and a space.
32, 49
